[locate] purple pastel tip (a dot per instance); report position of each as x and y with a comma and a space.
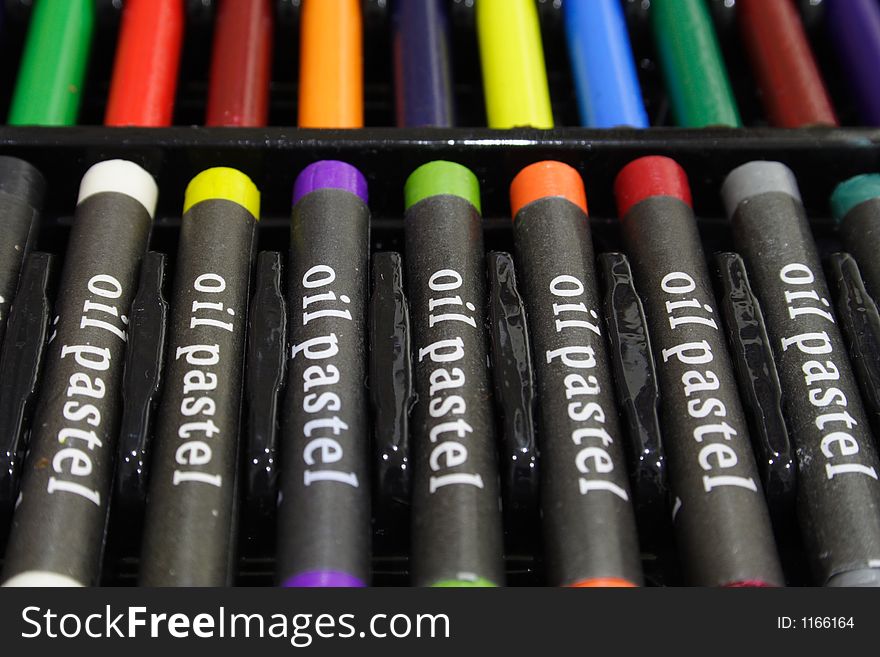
323, 578
330, 174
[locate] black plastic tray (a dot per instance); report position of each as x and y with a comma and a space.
273, 157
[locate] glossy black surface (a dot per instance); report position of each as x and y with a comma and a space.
638, 396
391, 393
266, 360
514, 387
27, 331
860, 322
142, 381
758, 381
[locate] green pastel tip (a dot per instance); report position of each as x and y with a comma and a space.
853, 192
441, 178
477, 582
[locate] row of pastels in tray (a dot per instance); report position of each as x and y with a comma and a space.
604, 73
657, 404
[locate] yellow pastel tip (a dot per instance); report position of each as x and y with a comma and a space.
223, 183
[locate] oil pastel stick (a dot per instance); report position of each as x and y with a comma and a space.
422, 65
855, 204
693, 68
512, 59
21, 362
323, 521
264, 378
331, 63
59, 524
145, 69
720, 518
860, 324
391, 385
190, 521
514, 387
854, 28
141, 384
456, 514
241, 64
759, 386
792, 88
22, 189
50, 78
602, 62
586, 504
838, 486
635, 379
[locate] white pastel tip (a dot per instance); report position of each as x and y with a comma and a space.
122, 177
41, 579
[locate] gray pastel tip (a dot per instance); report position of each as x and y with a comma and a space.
754, 178
865, 577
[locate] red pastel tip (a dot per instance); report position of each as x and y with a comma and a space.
749, 584
145, 68
547, 179
241, 64
653, 175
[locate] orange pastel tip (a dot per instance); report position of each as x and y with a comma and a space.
331, 71
545, 180
604, 583
649, 176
